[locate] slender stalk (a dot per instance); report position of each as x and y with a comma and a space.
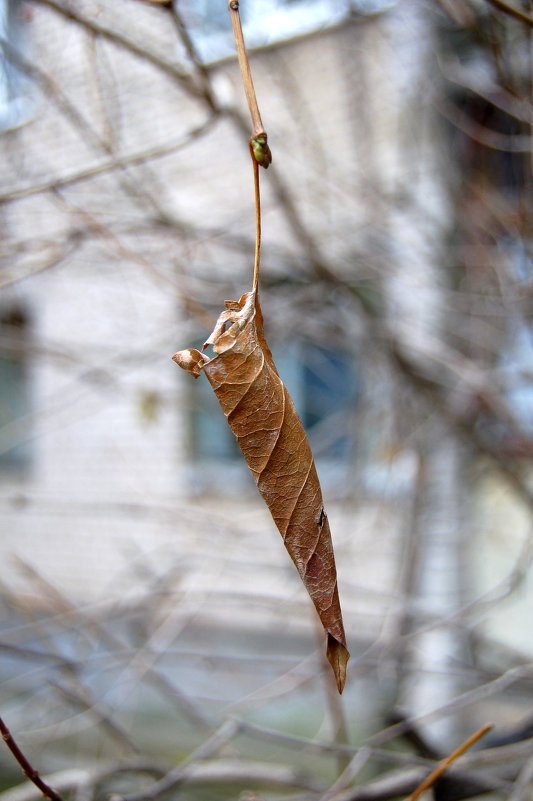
27, 769
445, 763
258, 140
259, 149
257, 221
244, 64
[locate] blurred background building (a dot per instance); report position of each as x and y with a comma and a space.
396, 287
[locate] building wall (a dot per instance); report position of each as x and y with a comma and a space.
118, 263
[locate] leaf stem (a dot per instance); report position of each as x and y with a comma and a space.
257, 221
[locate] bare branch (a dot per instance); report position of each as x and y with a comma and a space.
220, 737
27, 769
110, 165
501, 5
120, 39
447, 761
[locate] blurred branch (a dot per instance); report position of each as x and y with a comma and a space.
165, 3
166, 687
122, 40
511, 11
192, 54
135, 188
233, 771
459, 11
479, 133
177, 775
82, 698
466, 699
215, 772
85, 779
350, 772
402, 783
117, 162
54, 93
39, 656
61, 252
522, 784
519, 108
462, 423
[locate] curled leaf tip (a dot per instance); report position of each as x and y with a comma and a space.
338, 656
191, 360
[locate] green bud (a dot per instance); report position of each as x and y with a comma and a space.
261, 150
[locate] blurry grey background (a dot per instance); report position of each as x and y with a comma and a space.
146, 594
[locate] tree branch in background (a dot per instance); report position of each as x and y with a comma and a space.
122, 40
27, 769
445, 763
512, 11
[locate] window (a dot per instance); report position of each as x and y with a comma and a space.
323, 385
14, 389
15, 104
328, 396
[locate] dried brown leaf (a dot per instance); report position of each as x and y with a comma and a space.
261, 414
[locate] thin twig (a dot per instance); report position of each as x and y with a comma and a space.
259, 149
445, 763
27, 769
244, 64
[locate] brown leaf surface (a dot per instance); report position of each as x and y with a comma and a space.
269, 432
